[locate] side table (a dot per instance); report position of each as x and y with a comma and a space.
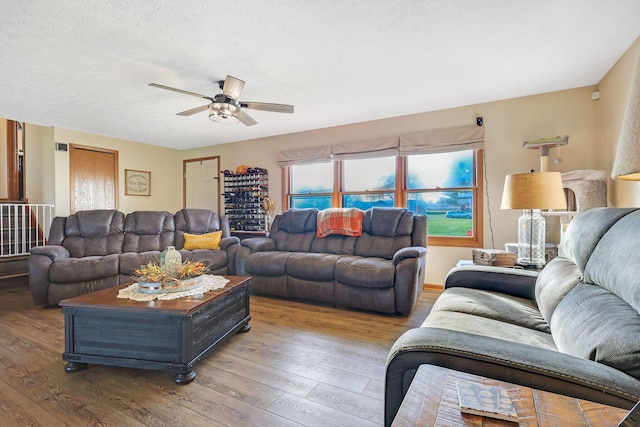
432, 400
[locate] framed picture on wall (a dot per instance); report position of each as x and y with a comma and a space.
137, 183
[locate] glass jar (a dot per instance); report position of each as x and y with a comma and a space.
170, 260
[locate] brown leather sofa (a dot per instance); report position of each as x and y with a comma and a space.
381, 270
96, 249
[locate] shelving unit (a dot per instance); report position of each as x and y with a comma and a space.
244, 196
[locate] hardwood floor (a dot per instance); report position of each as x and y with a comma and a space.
301, 364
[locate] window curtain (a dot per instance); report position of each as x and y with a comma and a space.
442, 140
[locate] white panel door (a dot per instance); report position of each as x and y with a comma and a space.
201, 184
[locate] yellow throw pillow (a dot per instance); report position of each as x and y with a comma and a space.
202, 241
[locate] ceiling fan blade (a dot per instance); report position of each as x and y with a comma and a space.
232, 87
193, 110
265, 106
186, 92
246, 119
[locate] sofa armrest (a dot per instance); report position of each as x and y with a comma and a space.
510, 281
409, 252
505, 361
227, 242
259, 244
54, 252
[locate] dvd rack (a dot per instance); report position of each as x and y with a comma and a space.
244, 195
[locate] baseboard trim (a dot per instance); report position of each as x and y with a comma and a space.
433, 286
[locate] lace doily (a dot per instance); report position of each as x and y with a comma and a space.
209, 283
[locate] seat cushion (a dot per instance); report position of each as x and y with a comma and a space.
365, 272
71, 270
270, 263
312, 266
492, 305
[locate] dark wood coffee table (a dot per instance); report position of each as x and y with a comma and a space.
172, 335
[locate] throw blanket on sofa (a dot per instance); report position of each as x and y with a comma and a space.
345, 221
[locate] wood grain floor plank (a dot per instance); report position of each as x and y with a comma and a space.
315, 414
302, 364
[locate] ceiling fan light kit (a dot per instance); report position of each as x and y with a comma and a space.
224, 113
224, 107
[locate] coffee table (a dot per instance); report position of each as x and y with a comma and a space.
432, 400
172, 335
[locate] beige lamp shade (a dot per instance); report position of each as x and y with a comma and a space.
535, 190
626, 165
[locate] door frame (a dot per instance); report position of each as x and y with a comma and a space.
13, 169
184, 178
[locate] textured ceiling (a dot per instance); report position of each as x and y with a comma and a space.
86, 64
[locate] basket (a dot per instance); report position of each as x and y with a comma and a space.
494, 257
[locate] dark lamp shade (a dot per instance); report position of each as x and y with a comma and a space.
535, 190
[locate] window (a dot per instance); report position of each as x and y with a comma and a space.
311, 186
368, 182
447, 187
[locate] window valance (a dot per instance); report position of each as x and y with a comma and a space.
301, 156
442, 140
431, 141
365, 149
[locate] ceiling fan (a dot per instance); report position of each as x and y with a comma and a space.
225, 107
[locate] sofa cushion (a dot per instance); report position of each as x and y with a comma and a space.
129, 261
384, 232
492, 305
369, 272
216, 259
271, 263
198, 221
585, 231
94, 233
298, 220
334, 244
387, 222
619, 248
313, 266
593, 323
72, 270
488, 327
557, 278
148, 231
202, 241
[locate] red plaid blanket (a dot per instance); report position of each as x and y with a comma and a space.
345, 221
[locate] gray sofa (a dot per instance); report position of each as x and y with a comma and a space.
572, 329
381, 270
96, 249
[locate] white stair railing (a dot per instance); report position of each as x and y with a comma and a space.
24, 226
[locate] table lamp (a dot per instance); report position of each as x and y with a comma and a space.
532, 192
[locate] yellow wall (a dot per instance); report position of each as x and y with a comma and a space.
614, 91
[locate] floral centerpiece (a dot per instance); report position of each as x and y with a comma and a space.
152, 277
